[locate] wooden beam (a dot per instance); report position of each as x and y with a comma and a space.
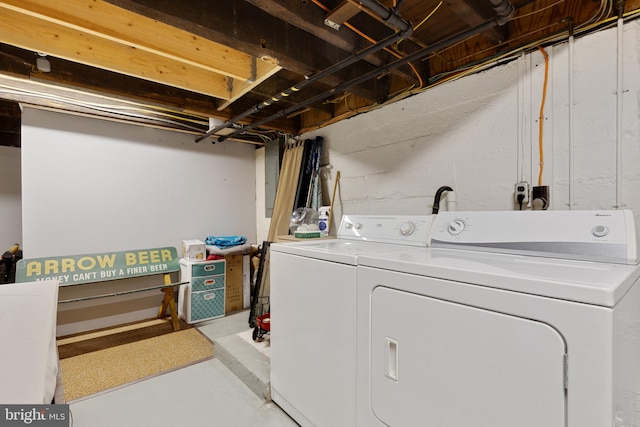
473, 13
141, 36
104, 20
341, 14
94, 80
68, 74
38, 35
264, 70
240, 24
309, 16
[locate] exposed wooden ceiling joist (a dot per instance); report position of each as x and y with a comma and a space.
311, 15
223, 59
253, 31
99, 34
474, 12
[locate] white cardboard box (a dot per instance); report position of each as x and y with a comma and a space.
194, 250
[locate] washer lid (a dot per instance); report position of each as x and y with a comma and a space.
334, 250
362, 234
588, 282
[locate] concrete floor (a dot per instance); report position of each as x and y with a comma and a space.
229, 390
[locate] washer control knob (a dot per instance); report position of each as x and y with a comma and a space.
456, 227
358, 225
348, 225
407, 228
600, 230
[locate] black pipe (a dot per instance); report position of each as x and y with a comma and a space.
363, 78
397, 7
436, 199
389, 16
406, 29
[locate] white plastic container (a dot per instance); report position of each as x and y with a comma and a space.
323, 220
194, 250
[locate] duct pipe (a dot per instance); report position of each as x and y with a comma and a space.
406, 29
381, 70
571, 119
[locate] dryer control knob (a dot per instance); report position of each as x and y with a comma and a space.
407, 228
348, 225
358, 225
600, 230
456, 227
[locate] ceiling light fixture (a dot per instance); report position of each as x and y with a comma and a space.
42, 63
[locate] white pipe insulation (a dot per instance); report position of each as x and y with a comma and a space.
571, 129
619, 116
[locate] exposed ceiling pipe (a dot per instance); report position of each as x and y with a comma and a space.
504, 9
389, 16
328, 71
498, 20
398, 4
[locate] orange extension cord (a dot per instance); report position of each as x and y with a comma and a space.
541, 118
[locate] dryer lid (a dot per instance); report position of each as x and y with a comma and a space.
595, 283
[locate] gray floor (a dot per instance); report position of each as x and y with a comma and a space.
228, 390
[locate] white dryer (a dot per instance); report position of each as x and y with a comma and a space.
544, 334
313, 315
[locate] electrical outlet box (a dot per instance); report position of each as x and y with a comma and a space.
540, 197
521, 193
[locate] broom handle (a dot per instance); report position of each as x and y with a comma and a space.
333, 198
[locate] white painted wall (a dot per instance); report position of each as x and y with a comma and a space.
479, 135
10, 198
92, 186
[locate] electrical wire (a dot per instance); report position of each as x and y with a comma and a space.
415, 28
536, 11
461, 72
429, 16
604, 9
522, 107
541, 118
495, 60
148, 115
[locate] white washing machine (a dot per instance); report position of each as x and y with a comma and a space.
544, 334
313, 315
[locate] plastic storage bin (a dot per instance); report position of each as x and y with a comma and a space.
203, 298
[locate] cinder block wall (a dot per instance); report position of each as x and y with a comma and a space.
479, 135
